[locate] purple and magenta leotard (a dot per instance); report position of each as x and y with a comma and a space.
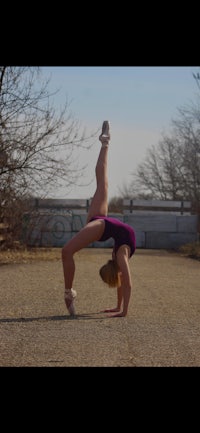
121, 233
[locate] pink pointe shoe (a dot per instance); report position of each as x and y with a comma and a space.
70, 295
105, 134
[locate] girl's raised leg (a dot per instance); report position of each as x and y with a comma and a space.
99, 203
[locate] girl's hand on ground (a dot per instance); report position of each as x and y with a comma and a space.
111, 310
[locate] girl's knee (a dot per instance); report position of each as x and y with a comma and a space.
66, 252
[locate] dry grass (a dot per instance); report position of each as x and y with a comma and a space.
191, 250
28, 255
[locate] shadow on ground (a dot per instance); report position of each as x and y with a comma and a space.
90, 316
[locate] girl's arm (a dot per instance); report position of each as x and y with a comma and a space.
126, 284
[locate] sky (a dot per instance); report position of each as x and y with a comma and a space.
139, 102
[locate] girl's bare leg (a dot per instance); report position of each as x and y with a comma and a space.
88, 234
99, 204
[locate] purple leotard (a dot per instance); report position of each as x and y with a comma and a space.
121, 233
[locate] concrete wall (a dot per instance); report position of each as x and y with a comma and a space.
54, 228
163, 231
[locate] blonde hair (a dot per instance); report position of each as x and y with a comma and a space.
110, 273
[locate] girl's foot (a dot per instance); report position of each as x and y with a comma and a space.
70, 295
105, 134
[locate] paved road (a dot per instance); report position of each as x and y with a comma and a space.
161, 329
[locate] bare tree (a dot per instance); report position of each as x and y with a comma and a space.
158, 176
115, 205
126, 191
39, 145
171, 170
197, 78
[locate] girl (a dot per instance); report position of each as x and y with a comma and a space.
100, 227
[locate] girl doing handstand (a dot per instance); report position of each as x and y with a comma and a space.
100, 227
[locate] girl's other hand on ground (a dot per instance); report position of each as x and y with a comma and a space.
117, 315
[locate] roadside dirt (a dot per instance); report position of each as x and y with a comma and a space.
162, 327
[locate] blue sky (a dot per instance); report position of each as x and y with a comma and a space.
139, 102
